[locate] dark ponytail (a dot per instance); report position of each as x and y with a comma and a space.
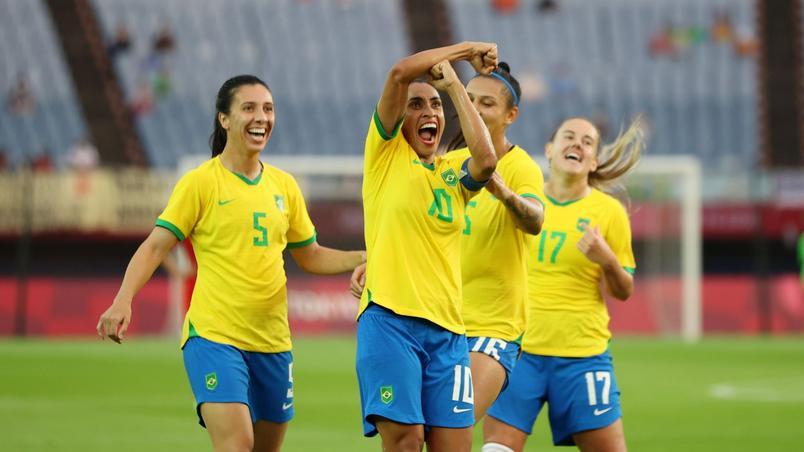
223, 103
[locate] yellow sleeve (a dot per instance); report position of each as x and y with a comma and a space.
618, 236
528, 181
184, 207
301, 231
379, 143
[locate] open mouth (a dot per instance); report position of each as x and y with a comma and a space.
257, 133
427, 133
574, 156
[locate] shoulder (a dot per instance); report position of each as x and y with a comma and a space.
280, 176
611, 205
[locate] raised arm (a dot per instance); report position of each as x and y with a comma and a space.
391, 107
484, 158
113, 323
321, 260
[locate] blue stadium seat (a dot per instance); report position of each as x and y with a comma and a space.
324, 71
29, 48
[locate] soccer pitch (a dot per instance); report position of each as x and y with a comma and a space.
724, 394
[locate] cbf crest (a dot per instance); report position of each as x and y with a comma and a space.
280, 202
450, 177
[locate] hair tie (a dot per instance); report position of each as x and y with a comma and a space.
507, 84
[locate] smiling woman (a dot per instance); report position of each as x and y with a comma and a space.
240, 215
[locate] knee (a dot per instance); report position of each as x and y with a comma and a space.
236, 443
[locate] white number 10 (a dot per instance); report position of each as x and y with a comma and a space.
468, 393
603, 376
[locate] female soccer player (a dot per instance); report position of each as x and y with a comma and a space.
240, 214
412, 359
586, 239
494, 249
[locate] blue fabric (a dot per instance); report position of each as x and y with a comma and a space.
225, 374
581, 393
468, 181
412, 371
506, 353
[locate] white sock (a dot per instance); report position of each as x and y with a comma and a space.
495, 447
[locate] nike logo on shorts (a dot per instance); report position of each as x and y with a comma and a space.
455, 409
285, 406
599, 412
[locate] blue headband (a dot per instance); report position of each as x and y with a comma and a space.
507, 84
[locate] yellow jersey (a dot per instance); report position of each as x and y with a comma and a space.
566, 313
239, 229
414, 215
494, 253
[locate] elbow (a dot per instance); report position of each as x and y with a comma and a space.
397, 73
534, 228
623, 294
487, 164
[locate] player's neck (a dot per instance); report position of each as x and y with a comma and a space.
501, 144
565, 189
243, 163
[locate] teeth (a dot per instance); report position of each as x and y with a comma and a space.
429, 125
256, 130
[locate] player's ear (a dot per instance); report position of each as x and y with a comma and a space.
223, 120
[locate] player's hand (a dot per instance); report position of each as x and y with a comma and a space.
443, 76
594, 246
484, 57
358, 281
114, 322
496, 186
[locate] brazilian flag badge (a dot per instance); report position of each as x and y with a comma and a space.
211, 381
387, 394
450, 177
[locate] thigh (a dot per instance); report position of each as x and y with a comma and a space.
488, 378
447, 390
583, 396
389, 369
218, 373
271, 387
440, 439
229, 425
268, 436
607, 439
400, 437
520, 402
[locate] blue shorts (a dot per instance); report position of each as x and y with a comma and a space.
412, 371
506, 353
225, 374
581, 393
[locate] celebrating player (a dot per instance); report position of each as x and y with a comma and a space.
586, 239
240, 215
412, 358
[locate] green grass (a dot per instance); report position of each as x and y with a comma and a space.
98, 396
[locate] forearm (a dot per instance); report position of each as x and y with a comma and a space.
329, 261
619, 283
475, 133
140, 269
528, 216
409, 68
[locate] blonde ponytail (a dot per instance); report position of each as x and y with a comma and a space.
618, 158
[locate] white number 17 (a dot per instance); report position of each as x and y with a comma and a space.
591, 389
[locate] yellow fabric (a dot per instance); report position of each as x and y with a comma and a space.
566, 314
494, 253
239, 229
414, 215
